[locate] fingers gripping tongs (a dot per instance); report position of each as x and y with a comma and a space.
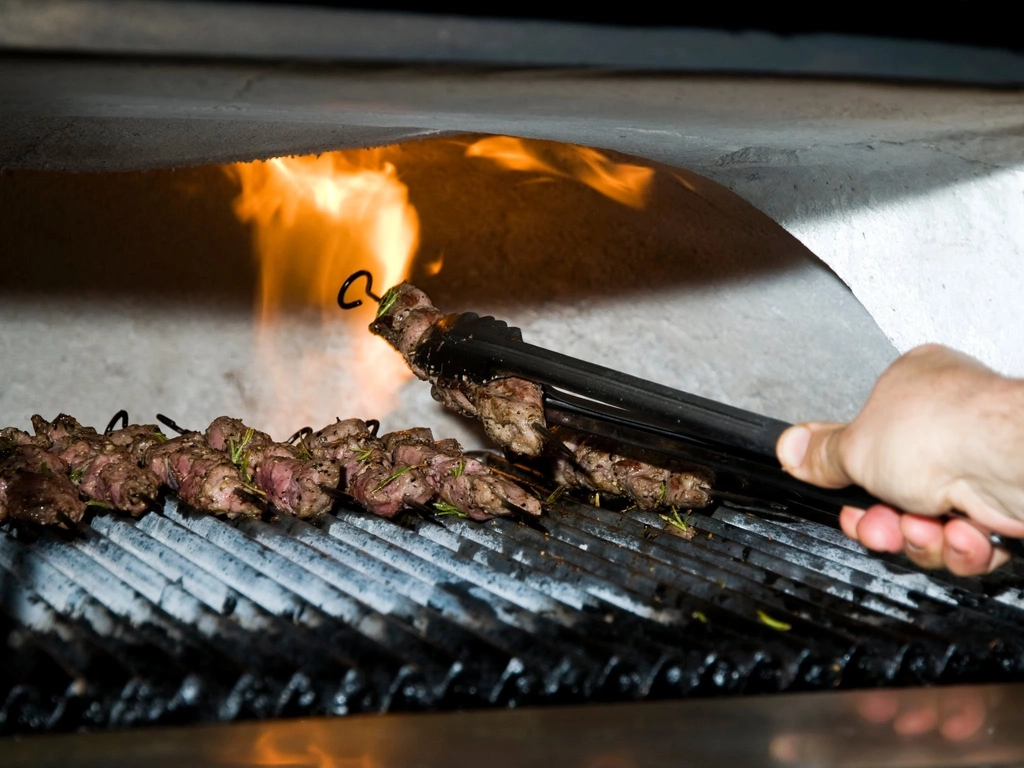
739, 446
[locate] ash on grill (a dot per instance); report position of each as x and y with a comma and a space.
183, 617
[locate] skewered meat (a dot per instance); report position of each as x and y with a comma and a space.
365, 470
34, 484
511, 410
104, 471
201, 476
12, 436
649, 480
290, 481
460, 481
137, 439
507, 407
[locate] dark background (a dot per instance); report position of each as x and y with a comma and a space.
967, 23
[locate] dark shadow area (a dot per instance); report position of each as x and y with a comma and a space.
504, 236
169, 236
980, 26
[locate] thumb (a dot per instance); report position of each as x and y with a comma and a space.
810, 452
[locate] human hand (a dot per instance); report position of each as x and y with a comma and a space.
940, 432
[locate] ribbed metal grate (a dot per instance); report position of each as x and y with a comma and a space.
180, 617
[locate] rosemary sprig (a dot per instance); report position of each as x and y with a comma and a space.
76, 475
555, 495
240, 458
676, 521
387, 301
362, 454
392, 477
100, 504
444, 509
238, 451
662, 491
160, 436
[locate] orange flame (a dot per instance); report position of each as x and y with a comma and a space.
310, 744
622, 182
315, 221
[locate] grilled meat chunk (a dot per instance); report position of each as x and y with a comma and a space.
458, 480
290, 477
507, 407
365, 470
649, 480
201, 476
12, 436
34, 484
104, 471
137, 439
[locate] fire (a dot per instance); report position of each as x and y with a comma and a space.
622, 182
315, 220
311, 744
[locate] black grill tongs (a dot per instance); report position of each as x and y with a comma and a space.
591, 398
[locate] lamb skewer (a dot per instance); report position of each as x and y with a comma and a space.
104, 471
366, 471
385, 475
508, 408
461, 482
512, 412
34, 484
290, 481
137, 439
201, 476
599, 464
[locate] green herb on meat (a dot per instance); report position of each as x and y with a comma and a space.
240, 458
387, 301
392, 477
444, 509
238, 452
458, 469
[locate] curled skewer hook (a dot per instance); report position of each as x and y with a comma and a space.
372, 425
170, 423
121, 415
300, 435
345, 303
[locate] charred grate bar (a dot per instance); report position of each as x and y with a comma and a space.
182, 617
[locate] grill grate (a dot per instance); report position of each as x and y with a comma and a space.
181, 617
